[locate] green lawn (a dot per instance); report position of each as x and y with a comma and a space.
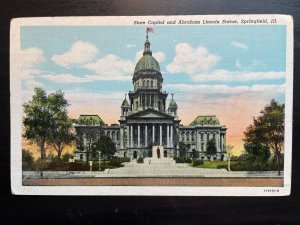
215, 164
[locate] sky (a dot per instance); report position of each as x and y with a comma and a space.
228, 71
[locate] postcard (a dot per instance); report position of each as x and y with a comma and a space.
195, 105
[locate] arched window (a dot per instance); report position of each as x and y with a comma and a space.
151, 83
188, 136
144, 83
147, 83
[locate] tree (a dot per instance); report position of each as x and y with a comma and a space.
105, 146
46, 121
37, 120
211, 148
86, 138
258, 152
61, 124
183, 149
268, 129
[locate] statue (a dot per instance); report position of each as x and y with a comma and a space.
158, 152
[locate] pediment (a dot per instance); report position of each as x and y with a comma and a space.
150, 113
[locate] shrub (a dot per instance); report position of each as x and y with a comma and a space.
66, 157
254, 166
140, 160
182, 160
197, 162
124, 159
115, 161
27, 160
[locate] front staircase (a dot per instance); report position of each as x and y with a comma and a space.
165, 161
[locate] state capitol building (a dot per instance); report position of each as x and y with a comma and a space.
147, 120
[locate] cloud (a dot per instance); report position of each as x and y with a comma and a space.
27, 62
110, 67
219, 90
66, 78
226, 76
239, 45
238, 64
130, 46
79, 53
192, 60
25, 69
159, 56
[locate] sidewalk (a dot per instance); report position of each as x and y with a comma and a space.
154, 169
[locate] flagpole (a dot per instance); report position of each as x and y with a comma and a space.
147, 33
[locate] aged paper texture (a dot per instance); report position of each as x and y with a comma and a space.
152, 105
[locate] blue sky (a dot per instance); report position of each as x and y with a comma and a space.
262, 49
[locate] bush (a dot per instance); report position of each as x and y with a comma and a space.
182, 160
115, 161
27, 160
255, 166
140, 160
124, 159
197, 162
66, 157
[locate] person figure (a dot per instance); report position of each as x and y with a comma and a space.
158, 152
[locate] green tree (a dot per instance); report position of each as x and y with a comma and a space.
257, 152
37, 121
268, 129
61, 124
183, 149
211, 148
86, 137
46, 121
106, 147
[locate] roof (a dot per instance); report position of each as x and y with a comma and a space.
205, 120
125, 103
147, 62
90, 120
172, 103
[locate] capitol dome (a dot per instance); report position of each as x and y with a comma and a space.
147, 62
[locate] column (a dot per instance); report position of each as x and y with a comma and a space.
139, 133
168, 134
153, 134
218, 142
131, 135
127, 136
146, 135
121, 137
205, 141
171, 138
225, 142
160, 135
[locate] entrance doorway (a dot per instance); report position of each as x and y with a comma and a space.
134, 154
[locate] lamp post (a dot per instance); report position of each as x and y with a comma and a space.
99, 160
229, 148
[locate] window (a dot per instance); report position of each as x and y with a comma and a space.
151, 83
147, 83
